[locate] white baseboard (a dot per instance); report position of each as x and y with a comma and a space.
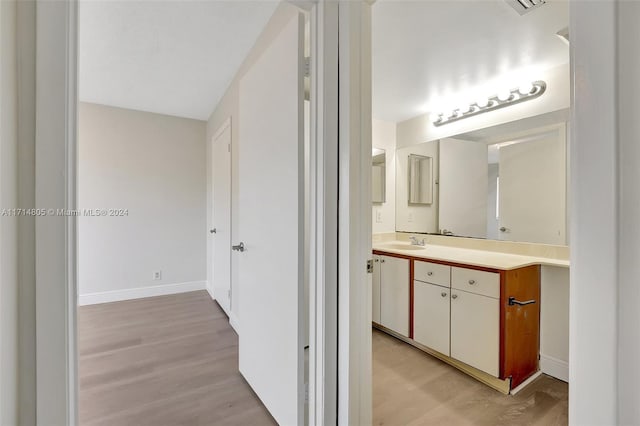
554, 367
526, 382
233, 321
210, 290
140, 292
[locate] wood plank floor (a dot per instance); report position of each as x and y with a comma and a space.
169, 360
413, 388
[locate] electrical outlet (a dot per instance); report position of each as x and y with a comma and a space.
157, 275
378, 216
410, 217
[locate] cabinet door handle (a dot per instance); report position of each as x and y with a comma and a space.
513, 301
429, 273
443, 294
472, 282
454, 296
213, 231
239, 247
376, 260
381, 260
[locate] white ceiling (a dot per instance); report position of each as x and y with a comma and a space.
429, 54
171, 57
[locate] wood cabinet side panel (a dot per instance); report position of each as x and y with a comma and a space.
519, 325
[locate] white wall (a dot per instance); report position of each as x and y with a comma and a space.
383, 136
420, 129
8, 224
155, 166
554, 321
416, 218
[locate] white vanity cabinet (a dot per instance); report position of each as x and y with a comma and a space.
391, 276
431, 314
375, 296
466, 315
475, 330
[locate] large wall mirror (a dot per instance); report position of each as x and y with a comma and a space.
502, 183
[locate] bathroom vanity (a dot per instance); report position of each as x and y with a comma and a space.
476, 310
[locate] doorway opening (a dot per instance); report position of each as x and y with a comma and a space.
470, 289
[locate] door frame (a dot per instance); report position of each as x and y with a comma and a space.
56, 395
226, 124
601, 43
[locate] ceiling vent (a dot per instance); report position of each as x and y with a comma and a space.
524, 6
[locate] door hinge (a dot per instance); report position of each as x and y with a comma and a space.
307, 66
370, 266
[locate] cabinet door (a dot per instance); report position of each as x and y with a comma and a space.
431, 308
475, 330
375, 312
394, 294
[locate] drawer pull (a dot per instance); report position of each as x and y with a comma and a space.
429, 273
472, 282
454, 296
513, 301
443, 294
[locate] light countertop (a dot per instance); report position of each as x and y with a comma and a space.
482, 258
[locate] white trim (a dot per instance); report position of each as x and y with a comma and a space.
233, 321
225, 124
554, 367
140, 292
354, 234
210, 290
323, 218
55, 188
526, 383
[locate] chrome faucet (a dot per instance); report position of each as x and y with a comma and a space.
415, 242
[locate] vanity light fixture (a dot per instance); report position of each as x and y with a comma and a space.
503, 99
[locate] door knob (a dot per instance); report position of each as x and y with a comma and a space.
213, 231
239, 247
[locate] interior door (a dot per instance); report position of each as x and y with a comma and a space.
271, 225
532, 190
463, 187
221, 232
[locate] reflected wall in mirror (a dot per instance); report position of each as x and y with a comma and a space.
508, 187
412, 217
420, 179
378, 176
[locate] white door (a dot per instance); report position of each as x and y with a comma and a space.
532, 190
463, 187
221, 231
394, 294
475, 330
431, 315
271, 225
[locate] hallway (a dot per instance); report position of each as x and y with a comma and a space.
164, 360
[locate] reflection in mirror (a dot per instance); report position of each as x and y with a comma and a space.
420, 178
490, 184
378, 173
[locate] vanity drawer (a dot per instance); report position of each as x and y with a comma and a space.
474, 281
433, 273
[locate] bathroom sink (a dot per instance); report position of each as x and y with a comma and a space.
400, 246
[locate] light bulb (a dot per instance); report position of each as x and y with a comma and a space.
464, 109
526, 89
435, 117
482, 102
504, 95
